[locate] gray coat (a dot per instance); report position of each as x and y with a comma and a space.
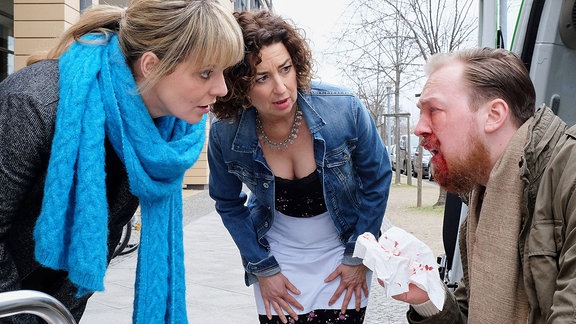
28, 103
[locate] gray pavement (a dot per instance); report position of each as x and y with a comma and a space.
215, 290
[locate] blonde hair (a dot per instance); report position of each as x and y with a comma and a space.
174, 30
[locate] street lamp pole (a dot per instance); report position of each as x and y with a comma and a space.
389, 110
396, 140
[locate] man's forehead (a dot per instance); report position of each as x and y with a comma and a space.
425, 99
448, 73
429, 90
446, 77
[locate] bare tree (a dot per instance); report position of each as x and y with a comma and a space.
437, 25
366, 59
376, 52
384, 41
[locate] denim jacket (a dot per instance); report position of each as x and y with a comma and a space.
350, 157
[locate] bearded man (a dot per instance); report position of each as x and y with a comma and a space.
515, 167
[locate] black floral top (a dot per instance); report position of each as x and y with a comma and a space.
300, 197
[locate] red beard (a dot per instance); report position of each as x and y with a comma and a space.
461, 173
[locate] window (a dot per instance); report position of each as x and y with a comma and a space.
6, 38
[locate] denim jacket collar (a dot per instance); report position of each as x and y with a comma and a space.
313, 118
244, 140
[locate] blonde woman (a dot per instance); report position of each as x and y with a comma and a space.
112, 117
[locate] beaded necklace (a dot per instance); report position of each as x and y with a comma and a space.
291, 136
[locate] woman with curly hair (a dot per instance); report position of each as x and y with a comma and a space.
317, 171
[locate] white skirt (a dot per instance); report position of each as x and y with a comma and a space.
308, 251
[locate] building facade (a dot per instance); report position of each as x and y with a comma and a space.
244, 5
6, 38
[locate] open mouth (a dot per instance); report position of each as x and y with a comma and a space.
206, 106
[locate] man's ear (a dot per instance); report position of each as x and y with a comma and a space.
146, 63
498, 113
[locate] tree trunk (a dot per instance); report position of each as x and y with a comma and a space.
441, 198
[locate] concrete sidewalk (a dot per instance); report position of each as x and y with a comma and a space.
215, 290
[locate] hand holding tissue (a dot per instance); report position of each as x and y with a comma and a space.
399, 259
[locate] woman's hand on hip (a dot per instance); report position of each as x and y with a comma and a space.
353, 281
275, 291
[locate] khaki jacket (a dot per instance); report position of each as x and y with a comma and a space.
547, 242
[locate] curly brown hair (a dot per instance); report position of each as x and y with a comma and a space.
261, 29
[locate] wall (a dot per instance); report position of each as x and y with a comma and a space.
38, 23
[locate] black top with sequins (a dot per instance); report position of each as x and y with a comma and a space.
300, 197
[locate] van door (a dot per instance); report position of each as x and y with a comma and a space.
545, 39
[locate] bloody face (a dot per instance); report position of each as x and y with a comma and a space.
459, 174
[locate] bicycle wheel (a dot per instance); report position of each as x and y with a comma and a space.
124, 239
133, 240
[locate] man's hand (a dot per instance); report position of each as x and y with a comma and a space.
353, 281
414, 296
275, 291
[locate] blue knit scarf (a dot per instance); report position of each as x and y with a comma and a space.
98, 99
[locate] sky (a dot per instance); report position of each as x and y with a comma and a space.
318, 18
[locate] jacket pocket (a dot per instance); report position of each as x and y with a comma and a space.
544, 247
340, 166
243, 173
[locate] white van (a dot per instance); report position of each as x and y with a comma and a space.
407, 147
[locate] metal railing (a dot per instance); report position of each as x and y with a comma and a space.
34, 302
